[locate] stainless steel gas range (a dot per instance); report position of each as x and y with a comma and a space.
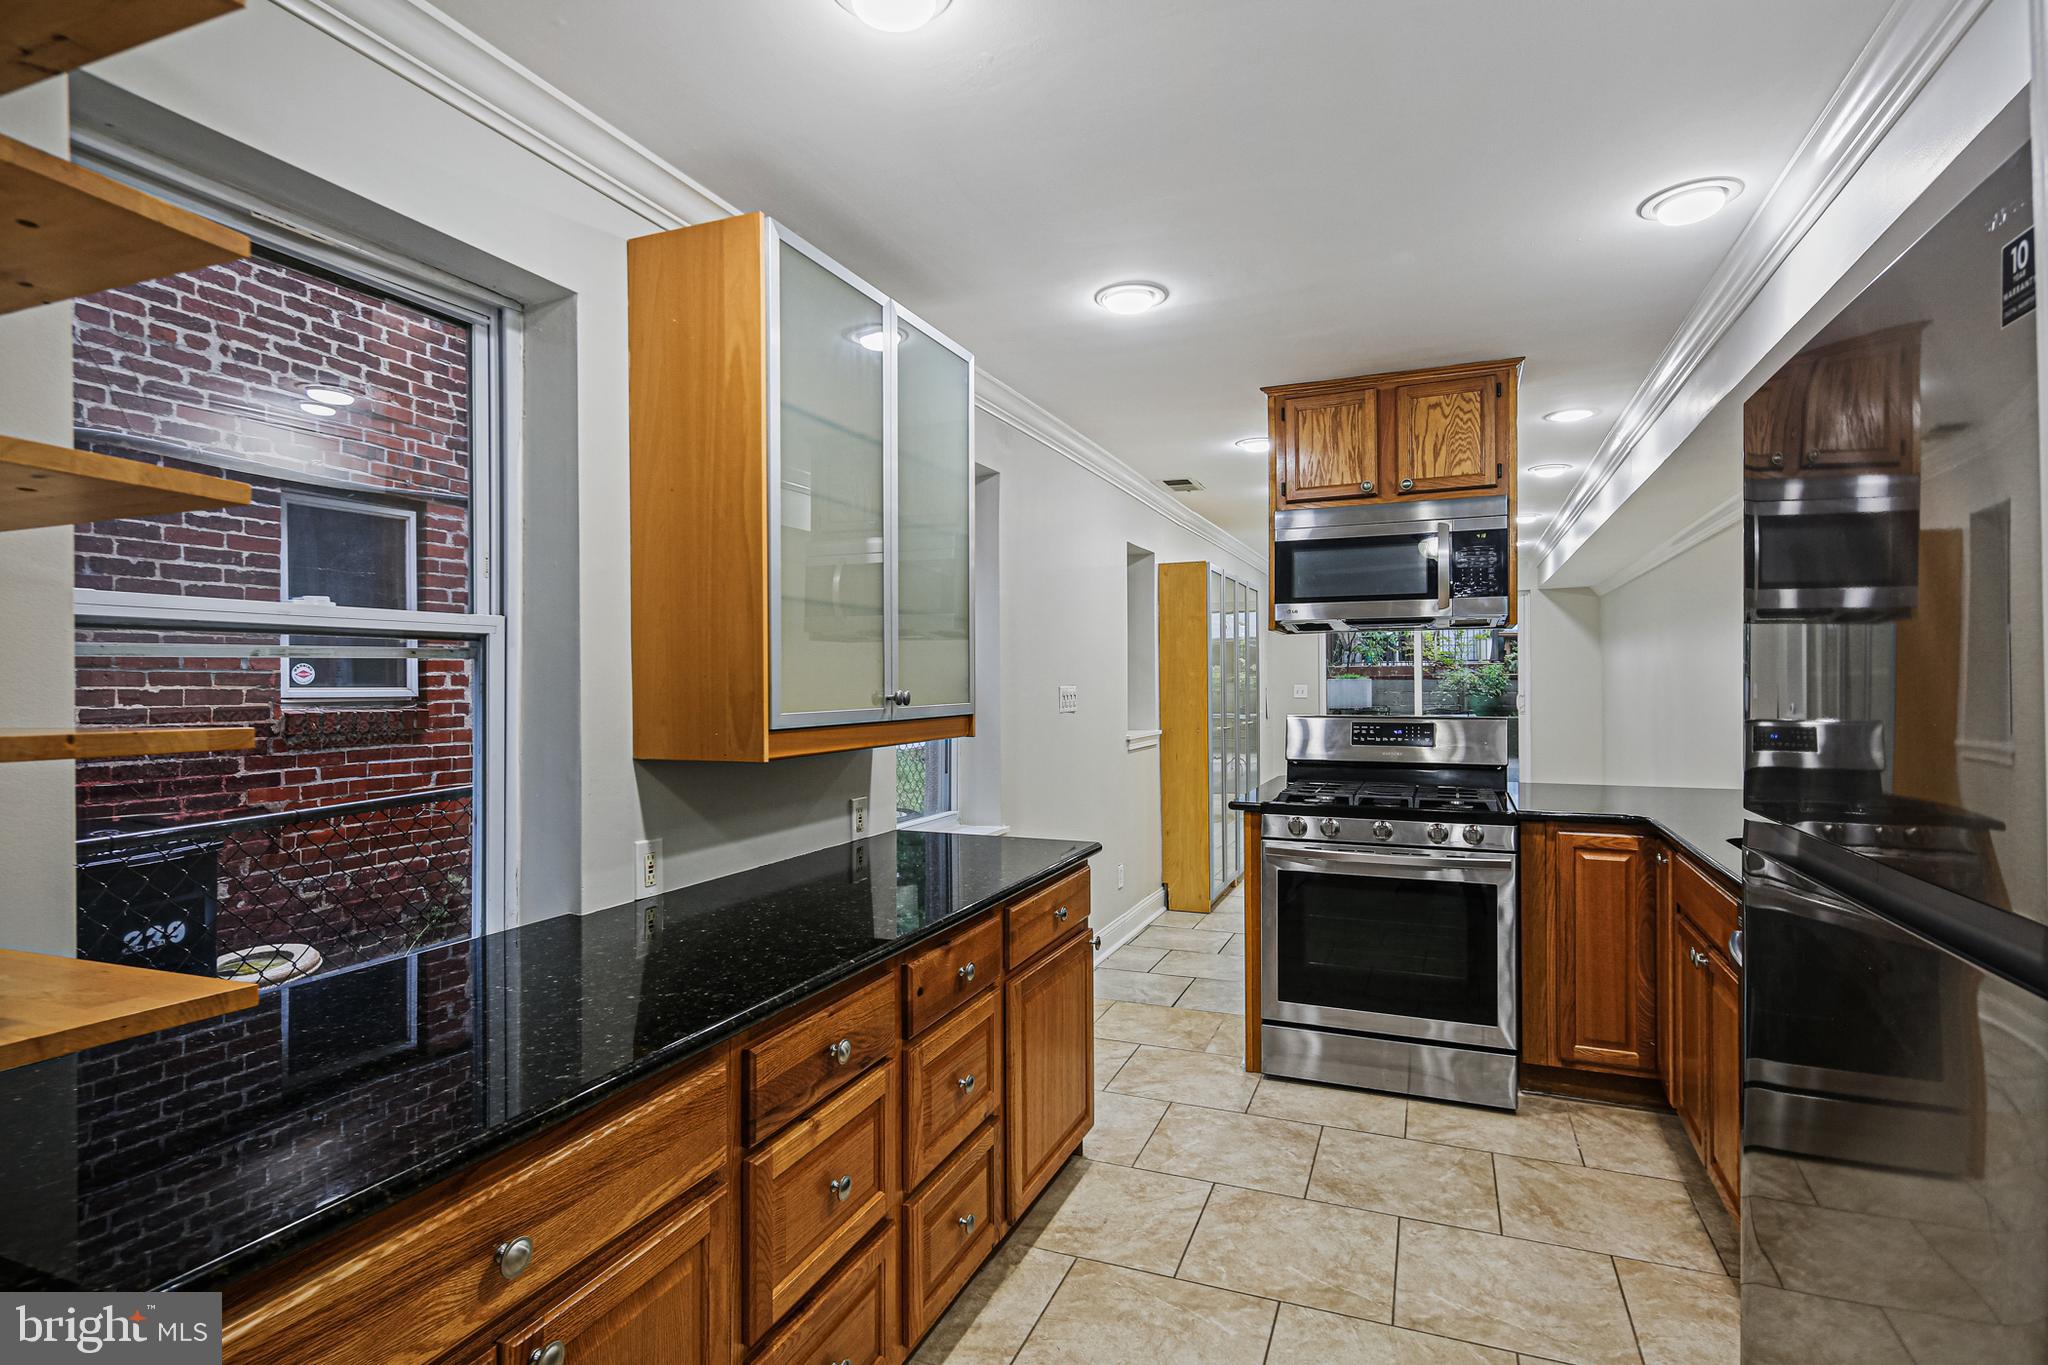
1388, 953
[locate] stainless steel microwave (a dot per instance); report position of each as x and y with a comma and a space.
1442, 563
1839, 547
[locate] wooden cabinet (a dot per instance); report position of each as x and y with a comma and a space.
951, 1080
1601, 953
667, 1297
793, 1065
1849, 407
802, 486
1436, 433
852, 1317
959, 968
949, 1228
1208, 728
1049, 1066
1035, 922
1703, 1075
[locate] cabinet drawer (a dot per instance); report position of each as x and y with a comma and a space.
851, 1318
950, 1084
1044, 916
430, 1267
791, 1069
949, 1228
938, 979
1712, 908
815, 1191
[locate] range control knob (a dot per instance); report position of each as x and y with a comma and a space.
1330, 827
1296, 826
1439, 833
1474, 835
1382, 830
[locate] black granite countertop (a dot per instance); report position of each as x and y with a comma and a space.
185, 1158
1700, 820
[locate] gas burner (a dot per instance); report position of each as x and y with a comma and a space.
1318, 793
1458, 800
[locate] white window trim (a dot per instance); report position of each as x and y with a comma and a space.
287, 689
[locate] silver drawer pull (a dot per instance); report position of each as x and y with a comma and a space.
514, 1256
1696, 957
1060, 914
554, 1353
842, 1187
967, 1221
967, 972
840, 1051
967, 1082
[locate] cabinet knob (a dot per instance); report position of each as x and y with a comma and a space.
1365, 487
842, 1187
514, 1256
1697, 958
967, 1082
1663, 857
967, 972
1407, 484
1060, 914
1096, 943
1777, 461
966, 1221
554, 1353
840, 1051
1812, 458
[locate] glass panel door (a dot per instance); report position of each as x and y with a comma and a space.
827, 491
1218, 842
934, 520
1256, 703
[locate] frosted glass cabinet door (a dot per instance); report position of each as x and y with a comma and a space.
830, 645
934, 516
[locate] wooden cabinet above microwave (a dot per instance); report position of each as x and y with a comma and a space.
1441, 433
1849, 407
803, 491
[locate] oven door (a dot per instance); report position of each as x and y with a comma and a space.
1409, 943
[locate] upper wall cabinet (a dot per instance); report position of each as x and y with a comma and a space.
803, 490
1849, 407
1447, 432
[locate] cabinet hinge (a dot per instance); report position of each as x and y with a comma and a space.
1498, 391
1283, 488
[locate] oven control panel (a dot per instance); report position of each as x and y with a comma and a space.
1406, 734
1784, 739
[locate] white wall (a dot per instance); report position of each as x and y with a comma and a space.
1562, 732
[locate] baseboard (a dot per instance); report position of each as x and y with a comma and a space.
1115, 933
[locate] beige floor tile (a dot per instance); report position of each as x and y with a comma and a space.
1413, 1179
1234, 1149
1611, 1212
1123, 1125
1797, 1329
1110, 1055
1205, 1078
1547, 1301
1183, 940
1532, 1131
1770, 1176
1932, 1340
987, 1324
1859, 1257
1229, 1040
1181, 919
1117, 1214
1211, 966
1226, 921
1105, 1313
1634, 1140
1721, 1230
1304, 1336
1295, 1250
1235, 947
1332, 1106
1159, 1025
1995, 1265
1682, 1317
1130, 959
1144, 988
1224, 997
1102, 1007
1897, 1194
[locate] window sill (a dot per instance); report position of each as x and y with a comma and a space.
1135, 740
2000, 753
948, 822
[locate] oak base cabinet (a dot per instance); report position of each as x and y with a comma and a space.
1589, 949
1049, 1070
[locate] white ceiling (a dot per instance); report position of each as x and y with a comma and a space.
1328, 187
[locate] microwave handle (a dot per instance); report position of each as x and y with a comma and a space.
1443, 566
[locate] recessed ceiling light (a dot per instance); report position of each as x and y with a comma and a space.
1132, 296
874, 338
1568, 415
317, 409
1531, 518
1257, 445
334, 398
895, 16
1691, 202
1550, 470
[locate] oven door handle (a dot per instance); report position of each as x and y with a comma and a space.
1311, 856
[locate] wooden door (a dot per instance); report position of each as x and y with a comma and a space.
1686, 1067
1327, 448
1049, 1066
1723, 1080
668, 1297
1605, 952
1773, 437
1444, 435
1861, 412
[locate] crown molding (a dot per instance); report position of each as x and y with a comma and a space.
1907, 47
1720, 517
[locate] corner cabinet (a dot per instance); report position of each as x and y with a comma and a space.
803, 495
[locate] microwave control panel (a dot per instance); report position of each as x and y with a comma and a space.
1479, 563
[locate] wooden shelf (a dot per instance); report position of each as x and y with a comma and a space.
43, 38
42, 485
67, 231
50, 1006
28, 746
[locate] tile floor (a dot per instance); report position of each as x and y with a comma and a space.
1216, 1217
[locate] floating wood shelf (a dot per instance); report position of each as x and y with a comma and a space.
27, 746
43, 485
50, 1006
67, 231
42, 38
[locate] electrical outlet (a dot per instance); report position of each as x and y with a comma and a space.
1070, 698
1119, 876
1301, 691
647, 867
858, 807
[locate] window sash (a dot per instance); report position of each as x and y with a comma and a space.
291, 691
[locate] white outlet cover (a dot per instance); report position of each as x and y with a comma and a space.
858, 814
1070, 698
1301, 691
646, 866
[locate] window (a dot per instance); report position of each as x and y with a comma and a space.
924, 780
345, 554
1141, 645
1421, 672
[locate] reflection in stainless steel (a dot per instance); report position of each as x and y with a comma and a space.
1449, 1073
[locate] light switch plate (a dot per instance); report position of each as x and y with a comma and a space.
1301, 691
1070, 698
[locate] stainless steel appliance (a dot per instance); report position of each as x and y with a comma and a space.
1441, 563
1840, 547
1388, 952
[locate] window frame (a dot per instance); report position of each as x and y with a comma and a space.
314, 693
949, 800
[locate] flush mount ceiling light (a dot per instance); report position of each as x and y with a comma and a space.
1551, 470
874, 338
1568, 415
895, 16
1531, 518
1689, 203
333, 398
1131, 296
1257, 445
317, 409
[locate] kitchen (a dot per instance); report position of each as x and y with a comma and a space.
564, 685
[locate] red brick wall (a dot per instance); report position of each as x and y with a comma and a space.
216, 362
